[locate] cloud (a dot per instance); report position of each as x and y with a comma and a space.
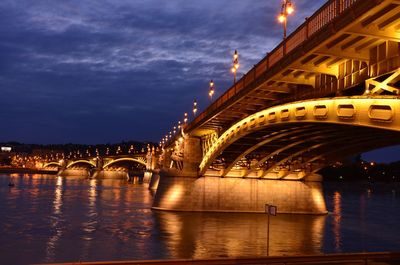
102, 71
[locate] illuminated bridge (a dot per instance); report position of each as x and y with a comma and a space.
108, 166
328, 91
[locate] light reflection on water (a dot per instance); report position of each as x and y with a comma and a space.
199, 235
58, 219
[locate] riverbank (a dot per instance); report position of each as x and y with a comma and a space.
345, 259
10, 170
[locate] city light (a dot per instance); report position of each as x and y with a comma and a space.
287, 9
235, 66
194, 107
211, 91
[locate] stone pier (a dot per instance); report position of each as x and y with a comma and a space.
182, 189
216, 194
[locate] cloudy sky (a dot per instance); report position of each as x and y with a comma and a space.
98, 71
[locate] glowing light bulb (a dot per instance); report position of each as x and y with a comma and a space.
289, 8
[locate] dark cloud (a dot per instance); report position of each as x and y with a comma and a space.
100, 71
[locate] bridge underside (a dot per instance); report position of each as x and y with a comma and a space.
303, 137
305, 148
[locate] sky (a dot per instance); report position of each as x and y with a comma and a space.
103, 71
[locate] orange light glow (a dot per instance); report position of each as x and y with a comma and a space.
281, 18
290, 9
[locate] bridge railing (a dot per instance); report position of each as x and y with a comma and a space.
328, 12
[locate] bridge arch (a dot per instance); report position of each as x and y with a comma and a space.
303, 130
90, 163
138, 160
52, 164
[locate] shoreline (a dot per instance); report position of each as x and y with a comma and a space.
11, 170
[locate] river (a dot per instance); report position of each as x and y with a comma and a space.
46, 218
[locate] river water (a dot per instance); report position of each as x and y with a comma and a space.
46, 218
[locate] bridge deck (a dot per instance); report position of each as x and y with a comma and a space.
314, 61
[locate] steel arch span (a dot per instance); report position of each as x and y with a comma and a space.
93, 164
304, 136
138, 160
52, 164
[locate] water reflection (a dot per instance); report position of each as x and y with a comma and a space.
337, 216
207, 235
55, 221
89, 222
67, 219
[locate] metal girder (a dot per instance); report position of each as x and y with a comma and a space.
362, 148
327, 143
339, 53
379, 15
286, 147
377, 87
321, 69
351, 43
368, 111
290, 79
259, 144
374, 31
276, 89
368, 44
291, 156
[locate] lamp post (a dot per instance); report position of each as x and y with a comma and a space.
287, 9
211, 91
194, 107
185, 119
235, 65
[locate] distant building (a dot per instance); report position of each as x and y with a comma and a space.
6, 149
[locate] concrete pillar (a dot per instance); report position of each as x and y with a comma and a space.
155, 178
192, 155
215, 194
147, 176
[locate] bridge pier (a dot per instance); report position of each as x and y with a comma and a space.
215, 194
154, 181
109, 174
147, 175
74, 172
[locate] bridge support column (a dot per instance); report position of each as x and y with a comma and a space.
147, 176
192, 156
74, 172
214, 194
155, 179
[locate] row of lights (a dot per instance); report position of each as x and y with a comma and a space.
286, 10
211, 93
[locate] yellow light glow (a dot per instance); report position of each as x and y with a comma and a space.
281, 18
233, 69
290, 9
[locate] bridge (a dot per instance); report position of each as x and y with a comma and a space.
116, 166
329, 90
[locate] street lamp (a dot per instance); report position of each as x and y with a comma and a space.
194, 107
287, 9
185, 119
211, 91
235, 65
